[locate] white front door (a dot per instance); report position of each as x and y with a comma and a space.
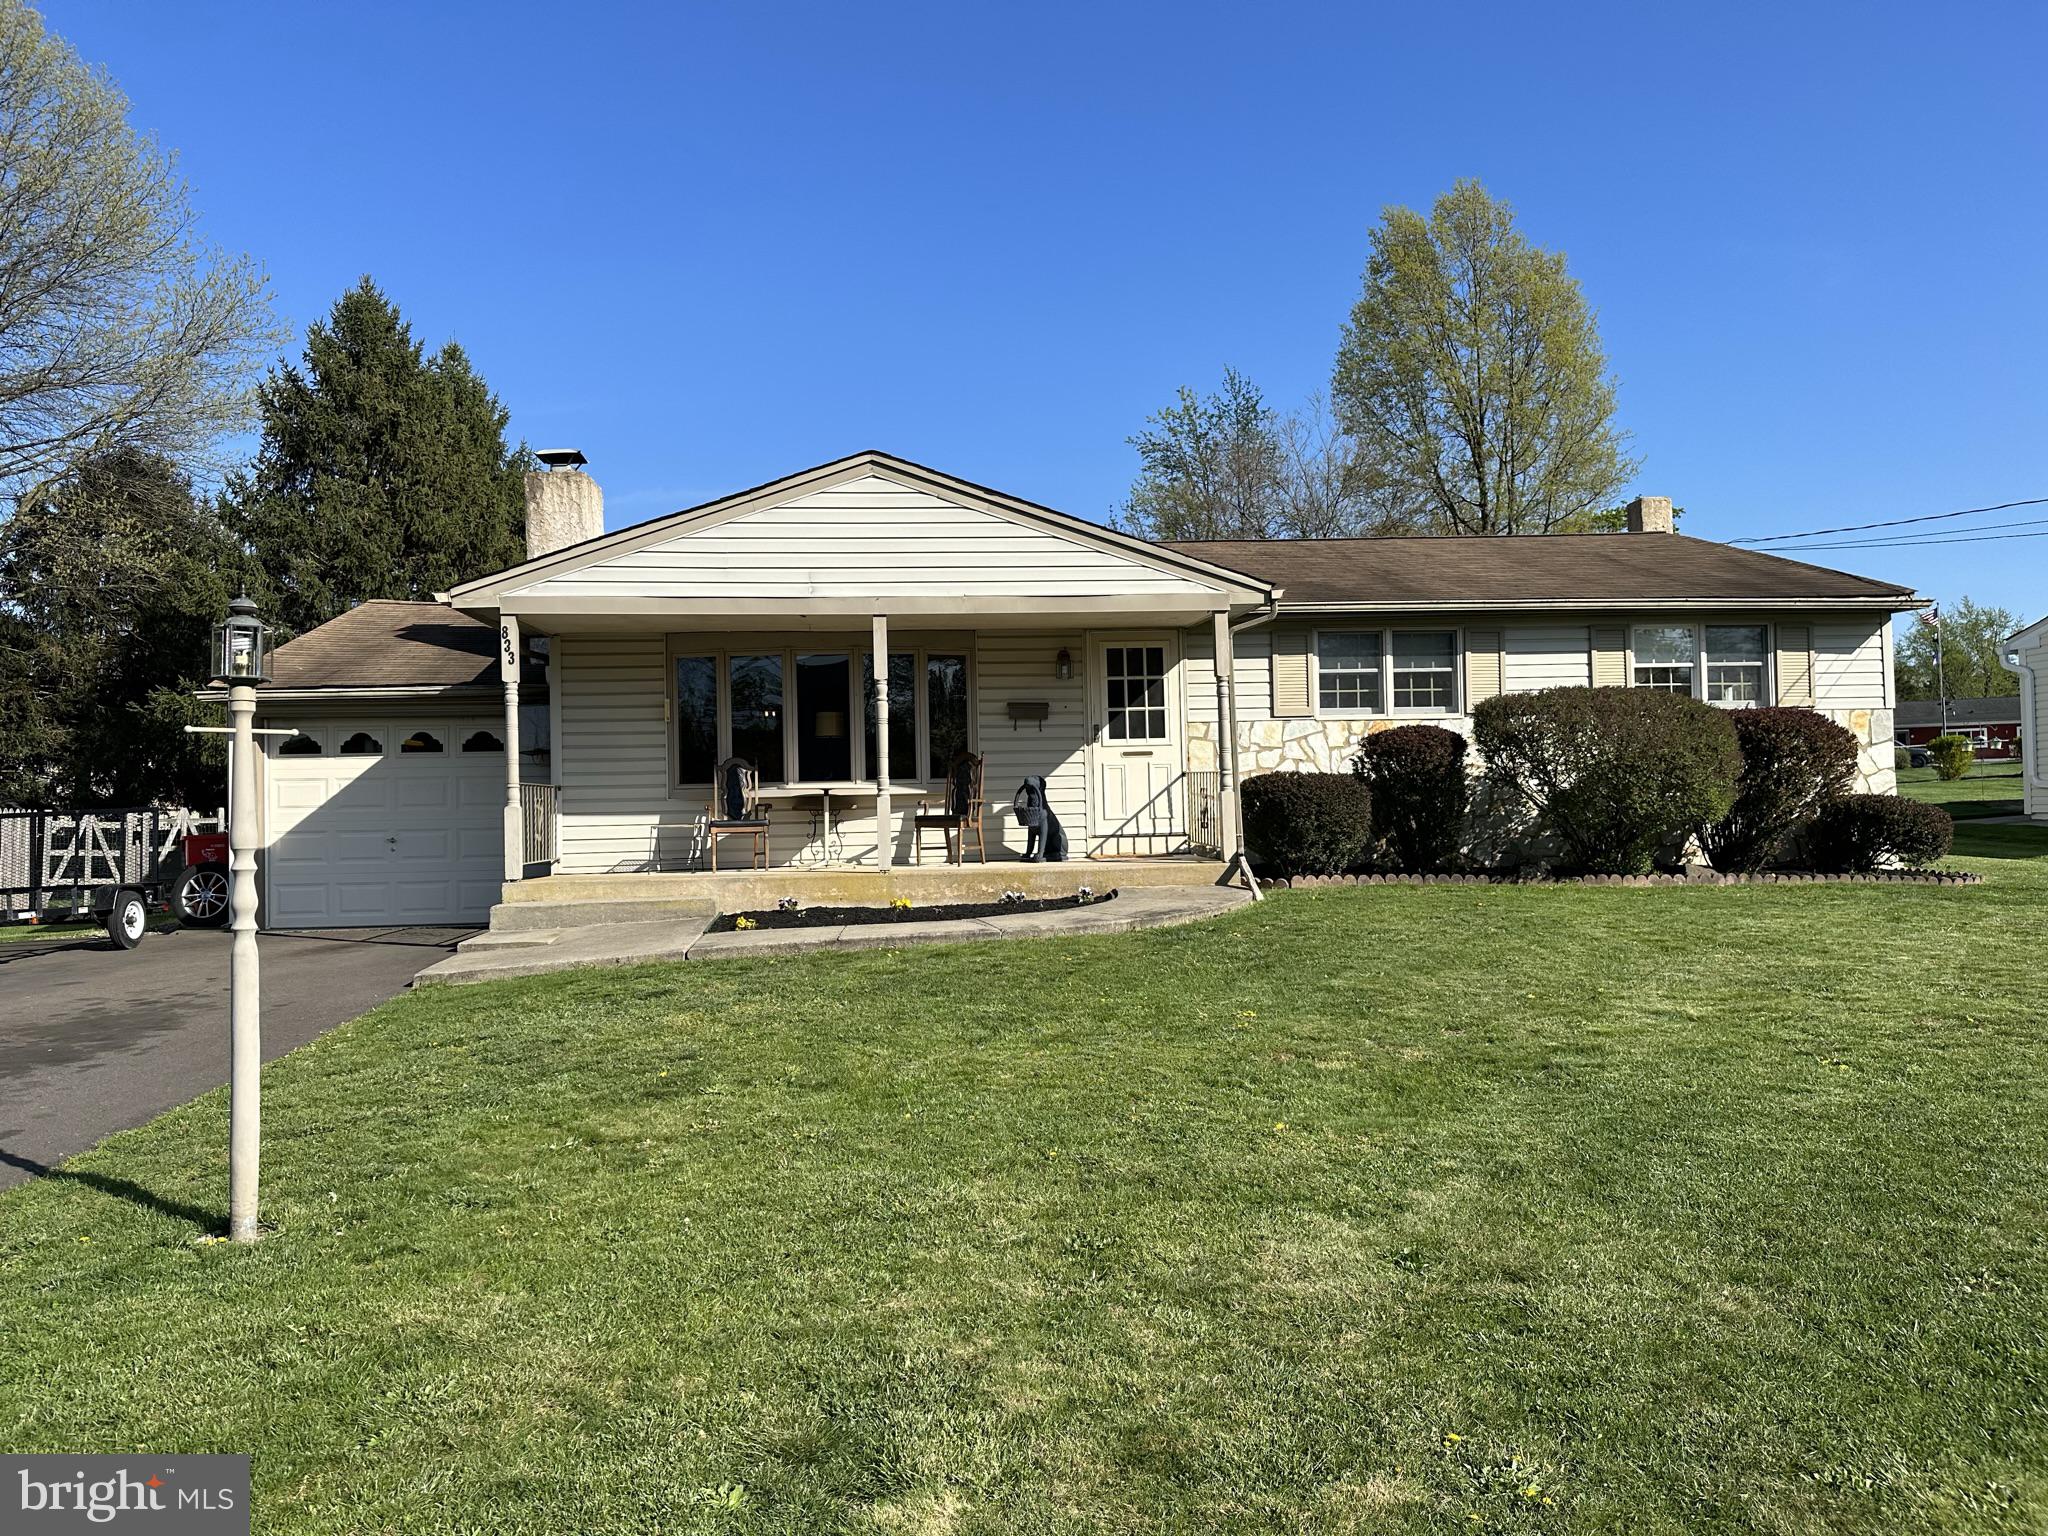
380, 821
1136, 808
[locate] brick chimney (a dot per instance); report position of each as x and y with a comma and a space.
564, 506
1646, 514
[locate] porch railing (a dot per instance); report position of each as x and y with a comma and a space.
539, 826
1205, 811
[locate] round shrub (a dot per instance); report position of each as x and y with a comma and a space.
1307, 823
1860, 833
1901, 759
1794, 761
1417, 777
1951, 755
1614, 774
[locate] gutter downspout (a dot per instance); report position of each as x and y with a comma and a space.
1239, 861
2032, 754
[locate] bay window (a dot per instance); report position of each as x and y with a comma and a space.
1390, 671
805, 716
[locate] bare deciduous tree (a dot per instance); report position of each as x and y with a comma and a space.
119, 326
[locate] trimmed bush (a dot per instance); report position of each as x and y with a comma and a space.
1307, 823
1901, 759
1951, 755
1860, 833
1794, 761
1417, 777
1615, 774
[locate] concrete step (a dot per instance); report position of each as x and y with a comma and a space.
521, 938
527, 916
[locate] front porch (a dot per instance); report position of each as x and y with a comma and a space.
561, 901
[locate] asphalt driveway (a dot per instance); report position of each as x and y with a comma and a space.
95, 1040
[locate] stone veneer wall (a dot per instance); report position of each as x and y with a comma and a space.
1328, 746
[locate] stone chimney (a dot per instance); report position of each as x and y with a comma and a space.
563, 505
1646, 514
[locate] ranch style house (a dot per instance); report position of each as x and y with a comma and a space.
850, 630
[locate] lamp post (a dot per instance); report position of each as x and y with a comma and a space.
241, 652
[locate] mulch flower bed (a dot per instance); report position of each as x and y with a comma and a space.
1767, 877
840, 917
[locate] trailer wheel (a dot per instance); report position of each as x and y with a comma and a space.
202, 897
127, 920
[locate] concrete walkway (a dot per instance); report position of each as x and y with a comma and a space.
495, 956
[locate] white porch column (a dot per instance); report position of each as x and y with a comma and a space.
245, 1013
885, 822
508, 675
1226, 733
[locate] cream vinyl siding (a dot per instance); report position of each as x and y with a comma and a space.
611, 758
1251, 678
2036, 758
1849, 664
1020, 666
1547, 656
870, 538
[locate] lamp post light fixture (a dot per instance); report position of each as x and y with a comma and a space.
241, 660
1063, 664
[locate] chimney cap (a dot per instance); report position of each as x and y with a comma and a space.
561, 458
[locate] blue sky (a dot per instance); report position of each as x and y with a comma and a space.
709, 245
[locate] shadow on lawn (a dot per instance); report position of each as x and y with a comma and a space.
2006, 842
120, 1189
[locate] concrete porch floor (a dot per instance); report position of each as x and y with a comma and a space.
856, 885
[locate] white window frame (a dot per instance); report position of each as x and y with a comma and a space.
1387, 710
1767, 682
680, 646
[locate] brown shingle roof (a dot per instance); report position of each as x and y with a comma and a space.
1594, 568
385, 644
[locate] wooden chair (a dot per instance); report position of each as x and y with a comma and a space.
961, 813
736, 807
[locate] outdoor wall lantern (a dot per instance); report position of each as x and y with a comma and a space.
1063, 665
241, 645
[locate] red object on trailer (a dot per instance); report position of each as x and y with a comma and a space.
206, 848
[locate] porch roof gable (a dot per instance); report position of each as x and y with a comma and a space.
865, 533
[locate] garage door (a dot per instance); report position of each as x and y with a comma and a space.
377, 821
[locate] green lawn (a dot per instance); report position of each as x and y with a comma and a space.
1379, 1209
1988, 789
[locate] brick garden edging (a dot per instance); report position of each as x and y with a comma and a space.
1768, 877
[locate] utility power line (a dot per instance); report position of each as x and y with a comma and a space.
1982, 538
1895, 522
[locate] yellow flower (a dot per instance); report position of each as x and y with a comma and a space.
1279, 1125
1530, 1492
743, 922
1452, 1439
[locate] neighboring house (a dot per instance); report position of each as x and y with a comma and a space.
1992, 726
2026, 655
1050, 645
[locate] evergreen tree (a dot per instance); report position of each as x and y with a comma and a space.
383, 472
111, 580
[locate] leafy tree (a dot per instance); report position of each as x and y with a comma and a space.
1472, 378
118, 325
1612, 519
1226, 466
383, 472
1970, 643
111, 579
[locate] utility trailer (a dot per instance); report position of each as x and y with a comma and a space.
112, 867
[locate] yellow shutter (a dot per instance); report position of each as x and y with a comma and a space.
1482, 665
1795, 664
1610, 656
1291, 684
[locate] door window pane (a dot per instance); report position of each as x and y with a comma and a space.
902, 714
1348, 670
1664, 657
824, 738
945, 694
1735, 663
1134, 692
1425, 669
757, 714
696, 719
